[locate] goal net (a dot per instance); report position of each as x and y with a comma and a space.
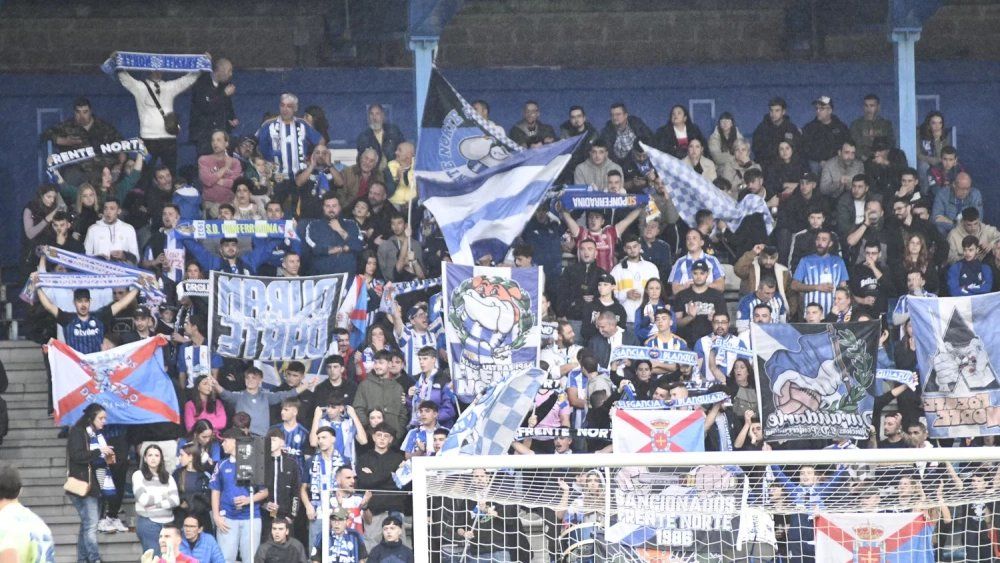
916, 505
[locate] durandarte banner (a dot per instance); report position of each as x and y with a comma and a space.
816, 381
269, 319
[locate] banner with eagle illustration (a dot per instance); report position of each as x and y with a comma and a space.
816, 381
957, 346
492, 324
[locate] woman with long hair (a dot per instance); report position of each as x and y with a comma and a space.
37, 218
722, 142
204, 405
315, 116
741, 387
652, 299
784, 174
155, 498
674, 137
88, 210
932, 136
378, 339
916, 258
192, 483
205, 437
87, 457
697, 160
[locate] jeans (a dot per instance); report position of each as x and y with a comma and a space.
149, 534
86, 541
238, 539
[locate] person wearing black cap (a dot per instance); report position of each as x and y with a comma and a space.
391, 548
774, 128
792, 212
143, 325
697, 304
823, 136
884, 168
84, 330
605, 301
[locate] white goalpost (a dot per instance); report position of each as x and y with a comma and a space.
929, 504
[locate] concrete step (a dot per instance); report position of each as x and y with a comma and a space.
28, 439
26, 373
27, 402
36, 430
27, 421
28, 387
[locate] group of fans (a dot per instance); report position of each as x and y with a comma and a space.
856, 228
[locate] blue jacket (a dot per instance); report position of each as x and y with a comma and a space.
947, 205
969, 278
320, 238
205, 551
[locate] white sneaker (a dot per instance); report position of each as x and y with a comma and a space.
105, 526
118, 525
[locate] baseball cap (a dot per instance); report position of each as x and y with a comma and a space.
81, 293
823, 101
880, 144
142, 311
607, 278
414, 311
340, 514
700, 265
809, 177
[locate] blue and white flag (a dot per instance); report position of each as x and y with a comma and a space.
480, 187
492, 324
691, 192
270, 319
490, 424
958, 342
816, 381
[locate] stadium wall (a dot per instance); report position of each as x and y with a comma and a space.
967, 93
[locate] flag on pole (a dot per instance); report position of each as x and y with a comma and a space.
894, 538
353, 312
480, 186
691, 192
489, 425
128, 381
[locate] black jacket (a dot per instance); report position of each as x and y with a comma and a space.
391, 137
374, 473
289, 477
211, 110
821, 142
767, 136
609, 133
601, 348
394, 552
79, 458
666, 140
577, 280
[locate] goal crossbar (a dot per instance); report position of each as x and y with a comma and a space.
424, 466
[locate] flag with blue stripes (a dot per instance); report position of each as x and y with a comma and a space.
492, 324
691, 192
489, 425
480, 186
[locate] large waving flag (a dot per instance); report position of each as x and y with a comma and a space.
479, 185
893, 538
128, 381
353, 312
489, 425
654, 431
691, 192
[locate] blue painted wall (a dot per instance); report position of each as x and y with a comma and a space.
968, 92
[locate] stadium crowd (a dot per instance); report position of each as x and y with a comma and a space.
857, 230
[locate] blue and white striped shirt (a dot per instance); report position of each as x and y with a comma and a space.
681, 272
814, 270
410, 343
287, 144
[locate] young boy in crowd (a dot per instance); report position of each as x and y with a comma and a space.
347, 428
969, 276
417, 439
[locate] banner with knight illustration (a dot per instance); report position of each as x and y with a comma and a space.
957, 346
816, 381
492, 323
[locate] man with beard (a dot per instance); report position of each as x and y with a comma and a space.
773, 129
334, 244
818, 275
725, 344
697, 305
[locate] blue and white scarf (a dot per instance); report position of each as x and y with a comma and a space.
236, 228
683, 357
125, 60
101, 470
149, 288
903, 376
701, 400
73, 281
74, 156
